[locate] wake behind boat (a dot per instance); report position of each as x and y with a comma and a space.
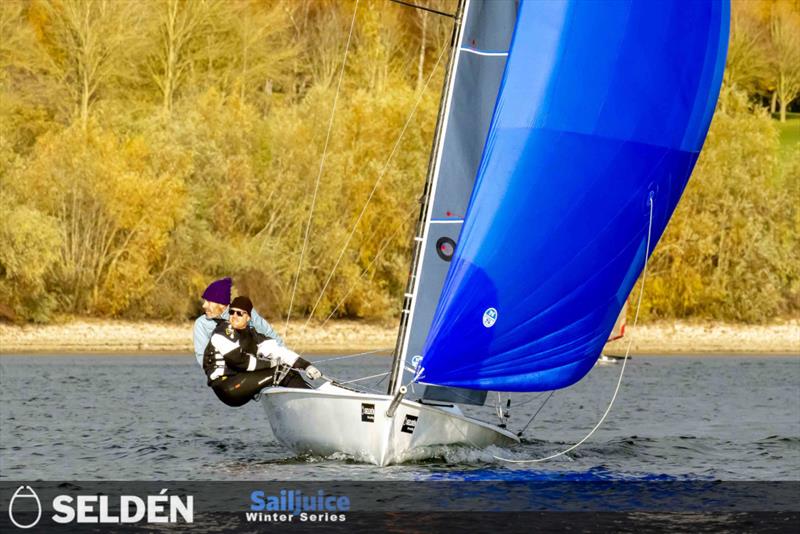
566, 134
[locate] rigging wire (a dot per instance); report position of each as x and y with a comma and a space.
360, 354
379, 382
361, 388
374, 187
651, 202
383, 247
350, 290
321, 166
364, 378
523, 403
352, 287
424, 8
524, 428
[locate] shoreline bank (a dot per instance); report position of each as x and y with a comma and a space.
96, 336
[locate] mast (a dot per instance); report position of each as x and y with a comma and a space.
398, 362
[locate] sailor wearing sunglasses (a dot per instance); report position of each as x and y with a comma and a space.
239, 361
216, 299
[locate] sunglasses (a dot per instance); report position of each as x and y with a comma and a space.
240, 313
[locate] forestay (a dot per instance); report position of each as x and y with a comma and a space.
602, 106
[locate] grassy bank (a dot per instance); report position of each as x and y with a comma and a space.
789, 133
110, 337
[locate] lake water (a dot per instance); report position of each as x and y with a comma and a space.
153, 418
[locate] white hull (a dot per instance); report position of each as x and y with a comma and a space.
331, 420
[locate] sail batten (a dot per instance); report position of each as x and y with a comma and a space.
602, 107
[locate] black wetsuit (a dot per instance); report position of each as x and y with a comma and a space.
238, 373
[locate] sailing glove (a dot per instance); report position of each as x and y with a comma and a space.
312, 372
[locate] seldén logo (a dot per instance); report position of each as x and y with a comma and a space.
17, 498
124, 509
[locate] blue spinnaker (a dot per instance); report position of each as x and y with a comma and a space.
602, 106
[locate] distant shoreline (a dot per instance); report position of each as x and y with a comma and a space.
87, 336
109, 337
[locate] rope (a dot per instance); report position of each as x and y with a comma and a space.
524, 428
523, 403
326, 360
379, 382
364, 378
321, 165
375, 187
353, 286
383, 247
624, 361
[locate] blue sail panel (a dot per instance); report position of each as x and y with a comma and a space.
602, 106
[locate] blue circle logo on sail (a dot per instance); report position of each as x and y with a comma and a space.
415, 361
489, 317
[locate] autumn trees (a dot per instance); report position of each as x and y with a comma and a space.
147, 147
730, 250
764, 51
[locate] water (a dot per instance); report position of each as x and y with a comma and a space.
153, 418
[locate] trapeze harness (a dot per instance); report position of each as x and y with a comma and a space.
240, 363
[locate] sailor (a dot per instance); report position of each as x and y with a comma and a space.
216, 298
239, 362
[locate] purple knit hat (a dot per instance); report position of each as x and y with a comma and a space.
219, 291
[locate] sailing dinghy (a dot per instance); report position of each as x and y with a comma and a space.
566, 135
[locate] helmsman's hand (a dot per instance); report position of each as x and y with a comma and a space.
312, 372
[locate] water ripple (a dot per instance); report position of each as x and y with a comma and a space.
676, 419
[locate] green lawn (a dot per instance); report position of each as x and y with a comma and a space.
790, 133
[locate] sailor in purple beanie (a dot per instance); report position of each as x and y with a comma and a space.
219, 291
216, 299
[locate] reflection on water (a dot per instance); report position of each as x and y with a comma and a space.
133, 417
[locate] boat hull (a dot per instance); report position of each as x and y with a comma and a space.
332, 420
